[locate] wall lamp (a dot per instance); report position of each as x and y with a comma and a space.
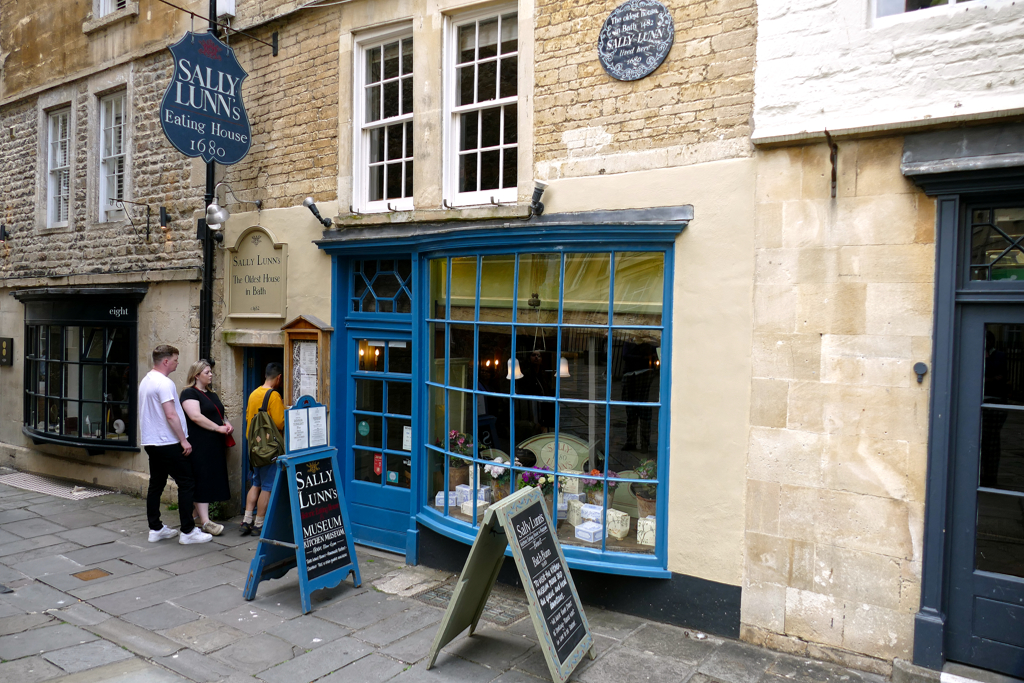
536, 205
311, 205
4, 235
217, 215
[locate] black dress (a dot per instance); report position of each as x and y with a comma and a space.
208, 459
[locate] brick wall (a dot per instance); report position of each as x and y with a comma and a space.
838, 436
695, 107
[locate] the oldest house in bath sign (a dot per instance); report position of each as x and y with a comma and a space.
202, 112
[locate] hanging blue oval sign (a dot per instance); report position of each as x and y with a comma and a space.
202, 113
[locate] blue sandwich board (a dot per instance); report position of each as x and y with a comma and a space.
307, 521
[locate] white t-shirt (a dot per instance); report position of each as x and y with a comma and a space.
155, 389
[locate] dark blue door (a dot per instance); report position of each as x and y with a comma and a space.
380, 432
986, 605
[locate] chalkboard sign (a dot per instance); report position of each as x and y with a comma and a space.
635, 39
522, 522
549, 579
305, 527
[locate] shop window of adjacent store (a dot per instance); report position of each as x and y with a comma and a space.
382, 285
996, 248
483, 90
384, 106
58, 165
112, 155
544, 370
79, 381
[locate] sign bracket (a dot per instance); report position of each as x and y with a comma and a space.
227, 27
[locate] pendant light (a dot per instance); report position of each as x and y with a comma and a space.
563, 367
518, 370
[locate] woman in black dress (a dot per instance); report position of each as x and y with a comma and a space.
207, 431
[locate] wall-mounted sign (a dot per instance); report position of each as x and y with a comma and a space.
256, 276
635, 39
202, 113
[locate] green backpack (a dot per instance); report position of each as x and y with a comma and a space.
265, 440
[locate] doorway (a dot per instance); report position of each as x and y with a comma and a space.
986, 600
255, 360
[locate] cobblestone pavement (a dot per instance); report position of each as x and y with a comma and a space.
165, 612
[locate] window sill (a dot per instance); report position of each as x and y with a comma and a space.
130, 10
92, 446
469, 213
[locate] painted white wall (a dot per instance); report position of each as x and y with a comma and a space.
830, 64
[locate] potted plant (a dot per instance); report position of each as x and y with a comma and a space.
646, 494
595, 486
501, 477
458, 469
543, 481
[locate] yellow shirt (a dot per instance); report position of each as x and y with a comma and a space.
275, 408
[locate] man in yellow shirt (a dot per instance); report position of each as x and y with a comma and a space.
262, 477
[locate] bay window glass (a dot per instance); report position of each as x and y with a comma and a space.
545, 370
58, 161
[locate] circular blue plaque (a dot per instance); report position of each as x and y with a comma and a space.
635, 39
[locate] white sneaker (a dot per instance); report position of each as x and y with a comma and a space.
166, 532
195, 536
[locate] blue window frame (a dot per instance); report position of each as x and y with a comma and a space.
454, 317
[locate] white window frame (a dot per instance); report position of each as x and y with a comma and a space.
110, 158
452, 112
362, 130
58, 168
105, 7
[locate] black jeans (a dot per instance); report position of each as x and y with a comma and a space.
163, 461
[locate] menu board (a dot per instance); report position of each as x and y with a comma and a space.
323, 529
532, 533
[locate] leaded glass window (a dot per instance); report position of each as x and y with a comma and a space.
382, 286
996, 243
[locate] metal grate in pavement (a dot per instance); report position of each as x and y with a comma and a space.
51, 487
504, 606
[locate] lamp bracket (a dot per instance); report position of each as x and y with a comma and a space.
119, 203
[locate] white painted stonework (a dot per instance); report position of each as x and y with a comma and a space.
830, 64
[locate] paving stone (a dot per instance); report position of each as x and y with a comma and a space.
413, 647
8, 610
256, 653
9, 575
370, 669
135, 638
125, 525
243, 553
252, 620
515, 676
448, 669
212, 601
36, 597
8, 537
198, 667
204, 635
90, 536
134, 580
101, 553
363, 609
59, 506
160, 617
230, 537
26, 544
318, 663
736, 662
30, 528
400, 625
192, 564
24, 622
46, 551
168, 589
71, 583
118, 511
29, 670
308, 632
799, 670
87, 656
168, 551
79, 518
490, 647
16, 515
619, 664
612, 624
40, 640
80, 614
671, 641
44, 566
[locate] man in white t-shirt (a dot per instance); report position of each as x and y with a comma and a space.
165, 438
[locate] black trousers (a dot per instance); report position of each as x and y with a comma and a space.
164, 461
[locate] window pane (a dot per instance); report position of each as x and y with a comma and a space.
373, 59
490, 127
400, 353
365, 463
370, 355
400, 398
407, 95
633, 437
511, 124
487, 81
92, 420
436, 419
391, 58
490, 170
996, 247
538, 361
509, 166
376, 189
463, 288
639, 283
118, 349
438, 288
368, 430
585, 351
390, 99
467, 43
370, 395
395, 433
496, 277
377, 145
71, 425
408, 181
118, 383
460, 362
468, 173
488, 40
509, 76
394, 175
373, 104
538, 288
57, 342
406, 56
460, 418
466, 81
395, 141
509, 33
1000, 541
581, 437
468, 131
587, 281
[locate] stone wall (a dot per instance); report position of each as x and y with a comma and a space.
696, 107
838, 436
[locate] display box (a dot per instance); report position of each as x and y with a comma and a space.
562, 510
453, 500
618, 524
645, 528
571, 484
581, 497
573, 515
464, 492
589, 532
484, 493
591, 512
467, 508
